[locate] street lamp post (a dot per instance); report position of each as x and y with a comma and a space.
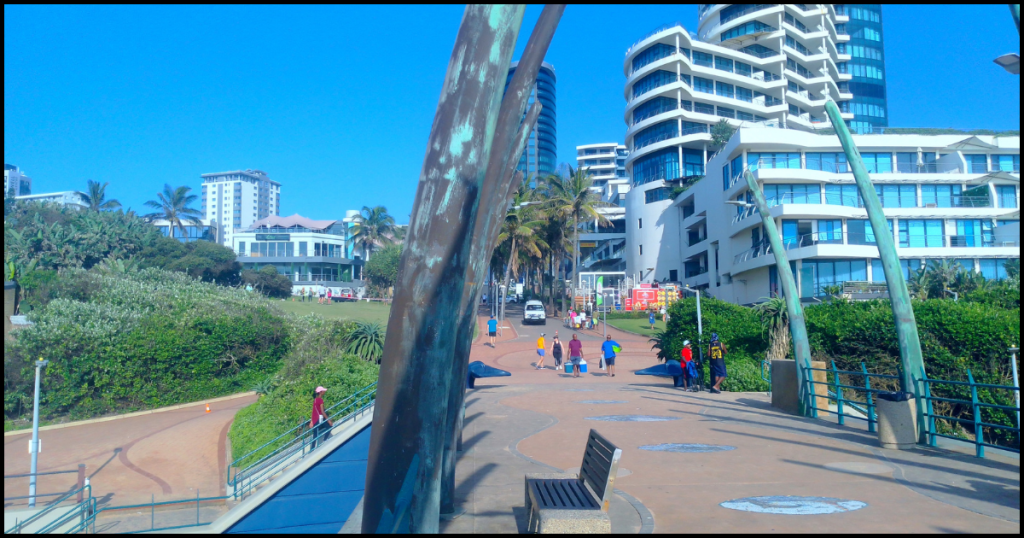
33, 446
700, 337
1016, 383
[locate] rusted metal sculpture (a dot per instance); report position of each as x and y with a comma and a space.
797, 326
467, 178
911, 358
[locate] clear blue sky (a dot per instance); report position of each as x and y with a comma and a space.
336, 102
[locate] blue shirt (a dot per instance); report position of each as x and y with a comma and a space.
492, 325
652, 318
608, 348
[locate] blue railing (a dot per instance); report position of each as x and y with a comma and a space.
975, 422
249, 471
82, 510
91, 520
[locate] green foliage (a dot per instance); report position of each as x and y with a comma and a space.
268, 282
721, 132
203, 260
375, 228
382, 269
96, 197
139, 340
173, 205
291, 403
367, 341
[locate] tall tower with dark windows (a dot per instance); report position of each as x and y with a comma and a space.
867, 65
540, 156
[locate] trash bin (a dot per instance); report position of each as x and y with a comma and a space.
897, 420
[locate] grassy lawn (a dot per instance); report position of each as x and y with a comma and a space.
361, 311
639, 326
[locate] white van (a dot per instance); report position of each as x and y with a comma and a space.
534, 313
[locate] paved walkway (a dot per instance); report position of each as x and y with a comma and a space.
538, 420
163, 456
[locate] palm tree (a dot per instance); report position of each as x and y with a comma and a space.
375, 228
557, 234
96, 197
942, 275
520, 229
172, 205
573, 197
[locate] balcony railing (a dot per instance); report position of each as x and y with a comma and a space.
697, 271
746, 11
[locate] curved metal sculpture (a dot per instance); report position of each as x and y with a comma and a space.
797, 326
911, 358
464, 188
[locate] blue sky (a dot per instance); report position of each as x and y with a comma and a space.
336, 102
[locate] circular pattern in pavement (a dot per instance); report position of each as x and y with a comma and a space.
789, 505
632, 418
602, 401
859, 467
687, 448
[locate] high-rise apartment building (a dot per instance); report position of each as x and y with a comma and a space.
866, 47
232, 201
541, 154
602, 246
15, 182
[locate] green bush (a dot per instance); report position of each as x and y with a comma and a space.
291, 403
138, 340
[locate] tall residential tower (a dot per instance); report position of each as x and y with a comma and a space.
540, 156
232, 201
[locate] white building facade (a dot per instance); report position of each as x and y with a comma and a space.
233, 201
954, 197
64, 198
309, 252
602, 246
16, 183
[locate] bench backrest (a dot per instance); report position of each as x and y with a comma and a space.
600, 465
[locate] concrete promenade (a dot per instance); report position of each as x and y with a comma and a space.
536, 421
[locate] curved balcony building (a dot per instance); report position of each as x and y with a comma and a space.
540, 156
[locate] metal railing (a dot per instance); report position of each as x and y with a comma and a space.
659, 29
696, 272
862, 400
745, 11
83, 509
249, 471
977, 421
91, 520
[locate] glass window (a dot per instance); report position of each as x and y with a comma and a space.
877, 273
860, 232
657, 195
751, 27
702, 58
652, 81
977, 163
921, 233
744, 94
877, 163
653, 107
725, 64
703, 85
745, 116
725, 178
743, 69
773, 160
302, 248
726, 112
725, 90
993, 268
777, 193
819, 273
241, 248
662, 164
651, 54
703, 108
693, 162
830, 231
939, 195
827, 162
911, 266
737, 165
656, 133
1007, 195
906, 163
972, 233
897, 195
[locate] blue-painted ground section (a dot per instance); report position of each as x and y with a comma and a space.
632, 418
687, 448
318, 501
795, 506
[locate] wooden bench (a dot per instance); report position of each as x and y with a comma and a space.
562, 503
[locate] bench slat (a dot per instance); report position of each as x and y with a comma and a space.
599, 444
562, 494
597, 461
582, 497
555, 498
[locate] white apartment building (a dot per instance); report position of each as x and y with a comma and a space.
233, 201
951, 197
16, 183
602, 247
65, 198
309, 252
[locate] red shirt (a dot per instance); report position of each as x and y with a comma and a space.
686, 354
575, 348
318, 411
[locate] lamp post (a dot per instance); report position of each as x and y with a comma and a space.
1016, 383
700, 336
33, 446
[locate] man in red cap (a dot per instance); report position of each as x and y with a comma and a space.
318, 420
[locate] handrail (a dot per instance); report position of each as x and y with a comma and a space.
86, 490
271, 463
152, 506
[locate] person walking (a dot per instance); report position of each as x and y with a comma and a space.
650, 319
582, 319
556, 352
492, 329
330, 294
575, 354
318, 421
309, 294
541, 347
322, 294
609, 348
302, 294
717, 353
686, 356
